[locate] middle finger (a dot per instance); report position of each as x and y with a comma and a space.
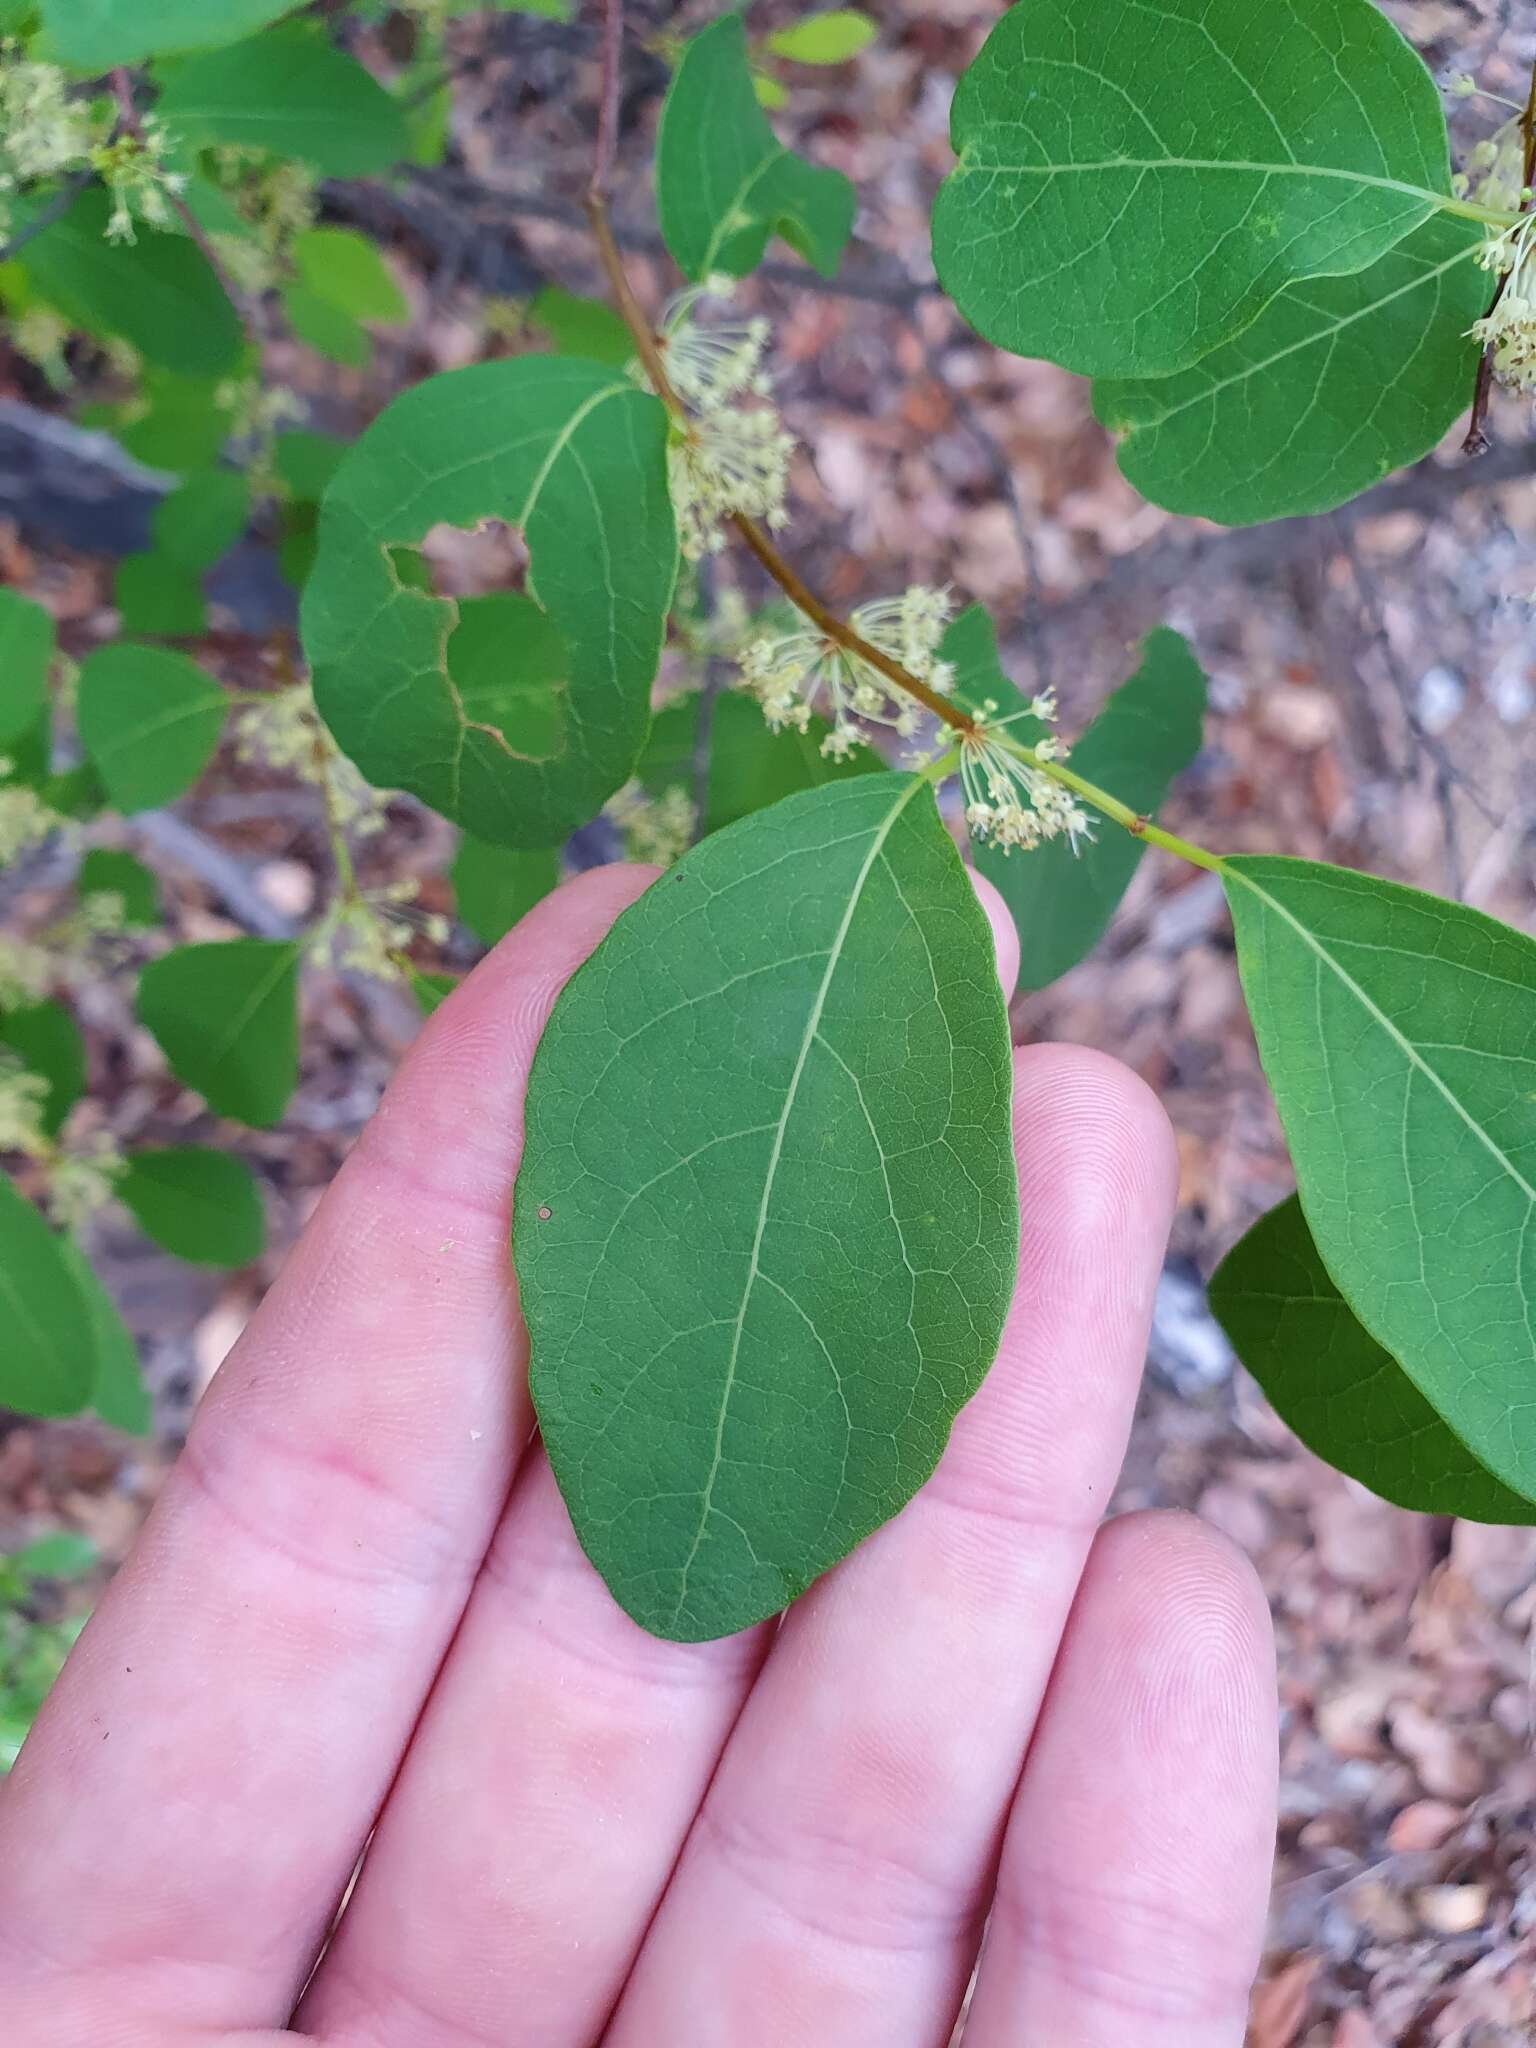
833, 1887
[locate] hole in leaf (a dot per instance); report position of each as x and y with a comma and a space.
507, 660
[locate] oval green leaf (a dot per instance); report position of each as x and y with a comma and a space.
514, 743
1338, 382
201, 1205
291, 92
1147, 733
1135, 183
1398, 1033
724, 181
47, 1362
1333, 1384
766, 1219
226, 1016
159, 293
93, 35
149, 721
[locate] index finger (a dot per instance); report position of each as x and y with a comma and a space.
205, 1774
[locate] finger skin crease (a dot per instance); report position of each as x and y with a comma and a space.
394, 1541
1150, 1960
849, 1893
525, 1576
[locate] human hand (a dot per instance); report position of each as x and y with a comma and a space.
339, 1619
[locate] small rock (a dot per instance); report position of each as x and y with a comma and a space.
1452, 1908
1425, 1825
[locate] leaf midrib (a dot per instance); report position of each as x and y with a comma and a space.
808, 1038
970, 163
1405, 1045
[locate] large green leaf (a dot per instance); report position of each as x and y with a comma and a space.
47, 1361
201, 1205
149, 721
1146, 734
159, 597
1399, 1035
226, 1017
26, 649
516, 746
46, 1039
765, 1223
1339, 381
93, 35
724, 181
118, 1393
581, 327
749, 766
1329, 1379
1135, 183
290, 91
495, 886
158, 294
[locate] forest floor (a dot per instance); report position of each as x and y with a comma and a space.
1373, 682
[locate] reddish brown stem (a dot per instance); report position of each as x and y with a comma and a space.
653, 361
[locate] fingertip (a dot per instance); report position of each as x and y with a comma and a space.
1005, 933
1098, 1166
1184, 1639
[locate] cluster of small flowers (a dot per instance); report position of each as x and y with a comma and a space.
26, 972
257, 414
23, 1101
132, 167
1012, 803
732, 454
285, 732
372, 934
1509, 326
658, 829
83, 1179
1495, 170
42, 336
277, 199
790, 674
25, 820
43, 131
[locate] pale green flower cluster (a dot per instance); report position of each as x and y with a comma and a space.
132, 167
277, 199
794, 674
371, 934
26, 972
286, 732
44, 133
82, 1180
1509, 326
1013, 804
23, 1100
659, 829
25, 820
732, 454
